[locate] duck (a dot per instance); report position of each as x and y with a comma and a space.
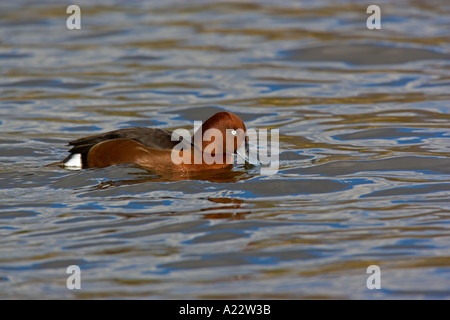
213, 146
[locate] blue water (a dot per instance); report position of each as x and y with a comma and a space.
364, 176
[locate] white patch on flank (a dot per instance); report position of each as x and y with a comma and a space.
74, 162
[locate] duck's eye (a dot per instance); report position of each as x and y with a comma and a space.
233, 132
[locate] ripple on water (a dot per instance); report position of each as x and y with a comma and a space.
364, 151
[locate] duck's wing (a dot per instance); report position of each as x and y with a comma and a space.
149, 137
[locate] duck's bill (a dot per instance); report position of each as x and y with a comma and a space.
248, 153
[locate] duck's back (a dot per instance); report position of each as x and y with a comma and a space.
149, 137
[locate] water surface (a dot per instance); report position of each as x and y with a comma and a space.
364, 174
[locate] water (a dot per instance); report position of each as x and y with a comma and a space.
364, 174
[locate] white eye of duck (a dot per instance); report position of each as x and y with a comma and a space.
233, 132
